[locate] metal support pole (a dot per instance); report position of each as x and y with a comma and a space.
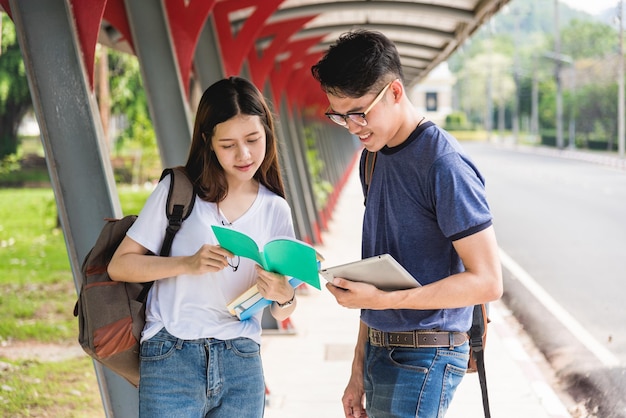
534, 117
620, 83
572, 117
489, 115
207, 58
167, 101
516, 70
76, 152
557, 71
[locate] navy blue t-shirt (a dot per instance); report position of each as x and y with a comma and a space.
424, 194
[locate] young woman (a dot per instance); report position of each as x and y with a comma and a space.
198, 360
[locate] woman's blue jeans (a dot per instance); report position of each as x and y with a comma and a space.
412, 382
200, 378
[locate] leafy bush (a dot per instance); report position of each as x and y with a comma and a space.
456, 121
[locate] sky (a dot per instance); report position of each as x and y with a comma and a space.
591, 6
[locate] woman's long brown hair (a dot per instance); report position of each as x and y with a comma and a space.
223, 100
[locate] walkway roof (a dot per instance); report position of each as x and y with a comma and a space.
280, 39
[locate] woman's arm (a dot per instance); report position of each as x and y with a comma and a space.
131, 263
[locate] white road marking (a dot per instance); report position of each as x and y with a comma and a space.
580, 333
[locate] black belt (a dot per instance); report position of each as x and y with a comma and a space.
416, 339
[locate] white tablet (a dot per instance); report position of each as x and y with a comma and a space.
383, 271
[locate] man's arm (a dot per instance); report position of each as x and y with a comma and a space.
480, 282
354, 395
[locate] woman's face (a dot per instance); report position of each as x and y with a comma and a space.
239, 144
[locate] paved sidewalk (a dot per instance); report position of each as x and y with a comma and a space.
306, 372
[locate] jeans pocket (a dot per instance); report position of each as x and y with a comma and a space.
457, 359
411, 359
245, 347
157, 349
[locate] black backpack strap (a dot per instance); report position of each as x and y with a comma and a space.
482, 377
368, 171
478, 350
180, 201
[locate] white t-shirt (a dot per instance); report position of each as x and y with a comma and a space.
194, 306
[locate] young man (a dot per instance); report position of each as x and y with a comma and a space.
426, 207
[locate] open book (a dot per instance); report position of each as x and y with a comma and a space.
286, 256
283, 255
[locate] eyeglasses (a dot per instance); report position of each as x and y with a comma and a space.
234, 266
357, 117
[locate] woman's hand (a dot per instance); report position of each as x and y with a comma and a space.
209, 259
273, 286
276, 287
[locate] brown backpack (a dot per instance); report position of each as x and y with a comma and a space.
111, 315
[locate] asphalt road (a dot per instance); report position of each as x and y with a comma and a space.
561, 226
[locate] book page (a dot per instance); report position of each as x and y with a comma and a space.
239, 244
293, 258
284, 255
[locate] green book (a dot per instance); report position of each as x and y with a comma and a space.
286, 256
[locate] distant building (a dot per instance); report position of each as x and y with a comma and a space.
433, 96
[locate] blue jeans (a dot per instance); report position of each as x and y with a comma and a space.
200, 378
412, 382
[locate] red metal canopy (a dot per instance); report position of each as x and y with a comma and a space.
281, 39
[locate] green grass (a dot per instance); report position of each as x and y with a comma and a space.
478, 135
36, 284
49, 389
35, 278
37, 297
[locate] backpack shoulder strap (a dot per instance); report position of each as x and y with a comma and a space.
181, 192
368, 171
478, 334
180, 201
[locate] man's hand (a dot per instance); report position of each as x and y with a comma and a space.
353, 399
357, 295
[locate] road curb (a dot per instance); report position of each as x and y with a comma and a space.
581, 374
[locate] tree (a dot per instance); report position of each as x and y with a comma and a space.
128, 98
15, 98
597, 110
588, 39
475, 76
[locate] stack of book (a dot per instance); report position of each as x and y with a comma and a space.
251, 301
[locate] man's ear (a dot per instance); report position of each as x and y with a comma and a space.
397, 89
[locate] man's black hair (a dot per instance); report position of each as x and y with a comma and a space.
357, 63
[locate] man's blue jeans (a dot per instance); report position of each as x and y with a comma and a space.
412, 382
200, 378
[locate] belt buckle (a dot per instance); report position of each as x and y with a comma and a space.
376, 337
